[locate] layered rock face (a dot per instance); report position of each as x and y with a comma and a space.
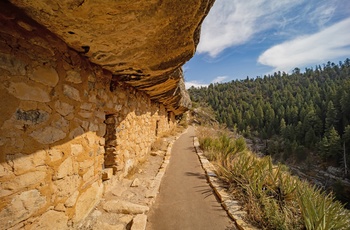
85, 89
143, 43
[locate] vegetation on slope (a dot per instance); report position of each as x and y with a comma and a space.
299, 113
272, 197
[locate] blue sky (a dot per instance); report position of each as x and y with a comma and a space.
241, 38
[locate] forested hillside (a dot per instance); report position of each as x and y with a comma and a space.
298, 113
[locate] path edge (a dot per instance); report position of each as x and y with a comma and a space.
158, 178
232, 207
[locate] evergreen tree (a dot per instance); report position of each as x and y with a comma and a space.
307, 111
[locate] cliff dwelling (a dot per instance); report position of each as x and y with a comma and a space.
86, 87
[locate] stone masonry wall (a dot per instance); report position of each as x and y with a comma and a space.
54, 106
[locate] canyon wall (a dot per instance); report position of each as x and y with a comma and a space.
66, 125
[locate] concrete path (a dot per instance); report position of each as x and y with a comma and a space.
186, 201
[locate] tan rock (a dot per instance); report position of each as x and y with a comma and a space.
85, 114
89, 174
61, 124
66, 186
139, 222
76, 149
106, 226
22, 206
74, 77
65, 169
24, 181
124, 207
135, 183
87, 201
45, 75
91, 138
70, 202
12, 64
55, 154
76, 132
52, 220
63, 108
86, 164
5, 169
101, 130
86, 106
60, 208
48, 135
107, 173
93, 127
27, 92
26, 162
71, 92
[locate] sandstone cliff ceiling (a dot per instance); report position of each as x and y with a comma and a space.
142, 42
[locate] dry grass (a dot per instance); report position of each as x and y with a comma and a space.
273, 198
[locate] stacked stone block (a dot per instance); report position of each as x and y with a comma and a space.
53, 124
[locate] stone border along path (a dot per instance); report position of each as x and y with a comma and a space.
232, 207
121, 208
126, 203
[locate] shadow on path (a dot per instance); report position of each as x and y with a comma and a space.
186, 201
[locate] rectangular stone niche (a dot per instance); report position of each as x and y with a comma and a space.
110, 144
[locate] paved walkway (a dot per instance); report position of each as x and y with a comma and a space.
186, 201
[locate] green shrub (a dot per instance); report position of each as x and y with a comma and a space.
273, 198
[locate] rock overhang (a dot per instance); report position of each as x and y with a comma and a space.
142, 43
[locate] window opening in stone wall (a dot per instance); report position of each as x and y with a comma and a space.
157, 126
110, 146
169, 116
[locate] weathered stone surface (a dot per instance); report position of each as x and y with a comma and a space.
71, 92
76, 132
124, 207
22, 206
89, 174
52, 220
76, 149
65, 169
45, 117
32, 116
11, 64
67, 186
27, 92
45, 75
107, 173
23, 181
70, 202
151, 39
63, 108
87, 201
55, 154
74, 77
25, 162
106, 226
48, 135
139, 222
135, 183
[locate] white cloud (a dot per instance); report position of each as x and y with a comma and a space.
234, 22
196, 84
322, 14
330, 43
219, 79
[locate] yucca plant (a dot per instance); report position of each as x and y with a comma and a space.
320, 211
274, 198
